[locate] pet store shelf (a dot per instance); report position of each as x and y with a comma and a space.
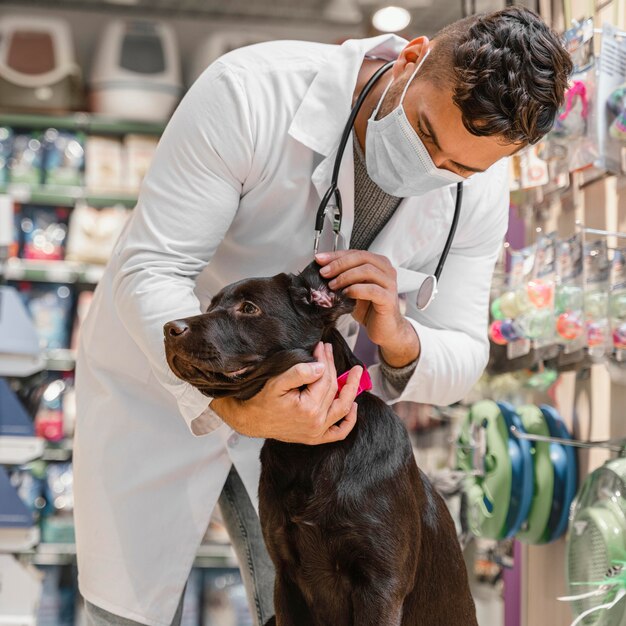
85, 122
61, 360
53, 271
58, 451
19, 450
210, 555
66, 196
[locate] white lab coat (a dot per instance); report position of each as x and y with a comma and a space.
232, 193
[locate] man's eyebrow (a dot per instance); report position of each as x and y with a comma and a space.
424, 120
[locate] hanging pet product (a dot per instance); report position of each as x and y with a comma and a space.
499, 472
535, 529
565, 473
136, 73
596, 548
522, 466
38, 69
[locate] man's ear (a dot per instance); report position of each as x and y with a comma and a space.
309, 291
412, 54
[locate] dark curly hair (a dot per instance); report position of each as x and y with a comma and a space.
508, 71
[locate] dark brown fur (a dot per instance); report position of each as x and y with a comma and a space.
357, 533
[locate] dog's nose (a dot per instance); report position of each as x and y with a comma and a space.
176, 329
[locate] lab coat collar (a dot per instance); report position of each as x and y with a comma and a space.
322, 115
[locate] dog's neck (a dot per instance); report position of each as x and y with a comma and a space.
344, 357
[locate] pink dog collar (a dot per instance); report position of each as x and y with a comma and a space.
365, 384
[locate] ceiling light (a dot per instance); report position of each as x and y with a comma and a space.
391, 19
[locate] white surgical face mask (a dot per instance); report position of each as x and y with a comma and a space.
396, 159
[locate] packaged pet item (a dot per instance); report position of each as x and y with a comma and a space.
49, 418
50, 306
6, 147
44, 230
512, 305
612, 105
538, 321
136, 71
28, 481
9, 227
103, 164
569, 310
26, 161
533, 169
139, 151
93, 232
57, 524
617, 303
64, 157
574, 129
38, 68
596, 272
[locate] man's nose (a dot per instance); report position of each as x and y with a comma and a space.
176, 329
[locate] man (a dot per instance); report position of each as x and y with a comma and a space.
232, 193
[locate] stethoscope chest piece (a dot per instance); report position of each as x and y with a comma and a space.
426, 293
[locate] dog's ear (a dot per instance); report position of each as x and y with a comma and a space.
309, 291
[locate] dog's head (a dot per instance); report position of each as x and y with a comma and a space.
253, 329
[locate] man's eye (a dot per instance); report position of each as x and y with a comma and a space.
421, 133
248, 308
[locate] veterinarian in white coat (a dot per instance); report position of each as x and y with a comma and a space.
232, 193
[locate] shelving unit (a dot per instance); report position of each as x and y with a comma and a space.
83, 122
209, 555
66, 196
53, 271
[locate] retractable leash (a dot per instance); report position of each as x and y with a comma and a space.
427, 290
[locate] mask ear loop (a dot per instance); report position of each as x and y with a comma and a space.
408, 82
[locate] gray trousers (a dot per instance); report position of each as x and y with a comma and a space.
257, 570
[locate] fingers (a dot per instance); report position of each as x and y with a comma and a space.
302, 373
338, 432
335, 263
366, 273
340, 406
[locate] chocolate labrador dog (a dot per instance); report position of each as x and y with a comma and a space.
358, 535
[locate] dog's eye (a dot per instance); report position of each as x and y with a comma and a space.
248, 308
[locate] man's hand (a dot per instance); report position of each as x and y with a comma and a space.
282, 411
372, 281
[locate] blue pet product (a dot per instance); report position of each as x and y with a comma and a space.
50, 306
64, 160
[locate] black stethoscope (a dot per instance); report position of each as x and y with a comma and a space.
427, 290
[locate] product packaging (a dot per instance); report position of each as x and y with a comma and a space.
6, 147
49, 418
64, 158
569, 309
538, 321
26, 162
139, 152
57, 524
44, 230
94, 232
612, 101
515, 303
617, 303
596, 298
103, 164
50, 305
574, 127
